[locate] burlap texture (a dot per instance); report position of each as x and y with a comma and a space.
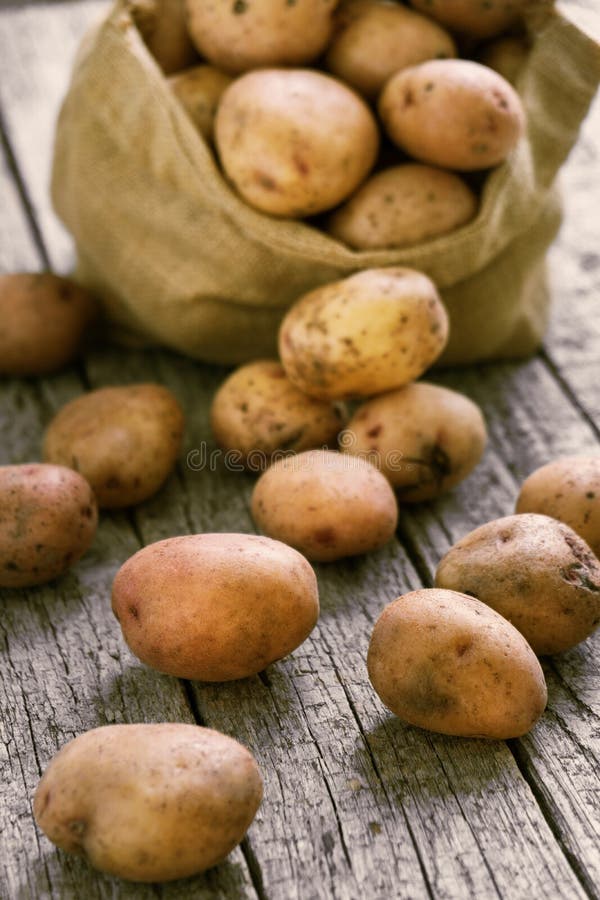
181, 260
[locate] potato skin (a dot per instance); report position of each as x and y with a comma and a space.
424, 438
472, 17
446, 662
507, 56
536, 572
149, 802
325, 505
257, 412
48, 519
251, 34
374, 39
199, 90
162, 26
371, 332
452, 113
124, 440
403, 205
215, 607
567, 489
294, 142
44, 320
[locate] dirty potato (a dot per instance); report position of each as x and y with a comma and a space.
294, 142
536, 572
424, 438
403, 205
215, 607
257, 411
371, 332
199, 90
452, 113
124, 440
446, 662
325, 505
149, 802
48, 519
473, 18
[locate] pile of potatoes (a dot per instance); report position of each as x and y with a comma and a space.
358, 112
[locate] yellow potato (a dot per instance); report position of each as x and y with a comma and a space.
149, 802
536, 572
294, 142
199, 90
48, 519
44, 320
424, 438
257, 412
507, 56
250, 34
567, 489
452, 113
374, 39
163, 27
124, 440
371, 332
215, 607
474, 18
446, 662
326, 505
403, 205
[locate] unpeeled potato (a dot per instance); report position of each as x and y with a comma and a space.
473, 18
199, 90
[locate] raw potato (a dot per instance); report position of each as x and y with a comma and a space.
374, 39
507, 56
402, 206
215, 607
446, 662
48, 519
567, 489
124, 440
163, 28
149, 802
199, 90
326, 505
371, 332
536, 572
424, 438
474, 18
250, 34
257, 412
43, 321
294, 142
452, 113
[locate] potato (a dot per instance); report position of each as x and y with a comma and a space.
257, 412
446, 662
536, 572
371, 332
199, 90
215, 607
474, 18
424, 438
48, 519
507, 56
44, 321
567, 489
124, 440
452, 113
251, 34
374, 39
149, 802
403, 205
325, 505
294, 142
163, 28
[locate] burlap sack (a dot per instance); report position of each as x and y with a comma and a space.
182, 261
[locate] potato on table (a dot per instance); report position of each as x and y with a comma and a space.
199, 90
424, 438
48, 518
446, 662
473, 18
326, 505
536, 572
371, 332
149, 802
124, 440
257, 412
215, 607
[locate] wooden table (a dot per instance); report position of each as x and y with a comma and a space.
357, 805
